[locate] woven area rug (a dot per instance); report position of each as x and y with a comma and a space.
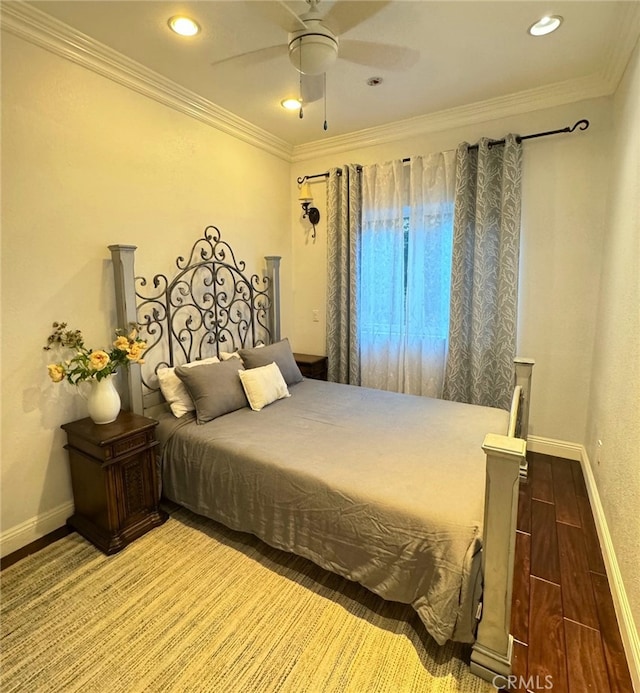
193, 606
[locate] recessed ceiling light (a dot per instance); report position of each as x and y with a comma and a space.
545, 25
184, 26
291, 104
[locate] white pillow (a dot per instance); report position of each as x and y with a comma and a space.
173, 389
226, 355
263, 385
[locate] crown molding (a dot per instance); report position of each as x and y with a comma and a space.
558, 94
604, 82
627, 35
49, 33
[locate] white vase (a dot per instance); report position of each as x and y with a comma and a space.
103, 401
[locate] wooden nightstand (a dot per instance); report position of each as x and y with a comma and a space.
312, 366
113, 474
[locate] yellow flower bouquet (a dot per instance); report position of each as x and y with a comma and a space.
90, 364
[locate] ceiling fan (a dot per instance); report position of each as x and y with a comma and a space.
315, 44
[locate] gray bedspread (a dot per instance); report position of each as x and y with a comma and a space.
381, 488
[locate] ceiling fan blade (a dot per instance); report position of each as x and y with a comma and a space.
254, 57
347, 14
311, 88
279, 13
381, 55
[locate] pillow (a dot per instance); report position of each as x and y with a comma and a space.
226, 355
263, 385
215, 389
280, 353
174, 391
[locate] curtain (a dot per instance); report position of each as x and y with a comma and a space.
484, 279
405, 273
343, 251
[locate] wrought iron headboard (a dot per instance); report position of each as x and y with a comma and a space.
210, 305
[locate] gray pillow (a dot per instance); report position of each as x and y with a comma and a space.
215, 388
279, 353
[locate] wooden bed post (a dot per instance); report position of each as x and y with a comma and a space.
126, 313
491, 655
523, 373
272, 273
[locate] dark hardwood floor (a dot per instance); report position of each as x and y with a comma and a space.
563, 620
34, 546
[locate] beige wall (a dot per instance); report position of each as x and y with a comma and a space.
85, 163
563, 220
614, 409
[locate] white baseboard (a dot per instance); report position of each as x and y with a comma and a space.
23, 534
628, 630
556, 448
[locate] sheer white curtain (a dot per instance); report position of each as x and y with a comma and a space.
405, 273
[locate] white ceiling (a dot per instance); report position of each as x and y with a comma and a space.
456, 54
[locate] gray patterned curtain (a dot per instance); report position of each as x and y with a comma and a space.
344, 202
484, 276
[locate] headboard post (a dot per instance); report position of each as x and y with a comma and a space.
272, 273
126, 313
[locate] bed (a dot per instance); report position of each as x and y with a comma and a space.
412, 497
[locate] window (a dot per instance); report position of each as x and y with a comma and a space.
404, 282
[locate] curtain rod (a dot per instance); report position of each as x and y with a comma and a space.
582, 124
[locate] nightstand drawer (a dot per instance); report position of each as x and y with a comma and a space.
124, 447
109, 442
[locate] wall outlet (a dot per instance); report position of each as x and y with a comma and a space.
599, 451
315, 315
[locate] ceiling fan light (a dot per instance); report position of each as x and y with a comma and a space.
291, 104
313, 54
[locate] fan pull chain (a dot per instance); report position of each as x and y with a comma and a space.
301, 114
325, 102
